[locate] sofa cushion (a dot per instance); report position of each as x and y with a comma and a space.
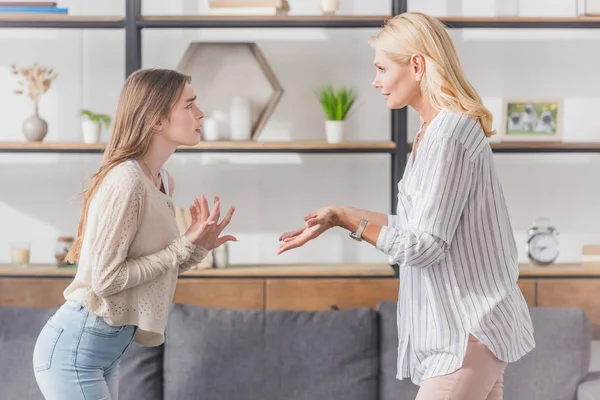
141, 373
263, 355
559, 361
19, 329
391, 388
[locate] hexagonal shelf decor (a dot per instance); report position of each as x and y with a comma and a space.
221, 71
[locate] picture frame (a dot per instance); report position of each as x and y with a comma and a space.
531, 120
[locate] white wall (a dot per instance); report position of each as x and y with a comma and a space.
272, 192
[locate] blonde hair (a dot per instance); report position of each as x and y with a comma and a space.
147, 96
444, 82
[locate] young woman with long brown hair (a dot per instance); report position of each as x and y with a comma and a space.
128, 250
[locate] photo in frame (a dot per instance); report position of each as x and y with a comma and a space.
531, 120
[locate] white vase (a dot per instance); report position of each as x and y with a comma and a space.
240, 119
91, 131
334, 131
222, 123
210, 131
330, 6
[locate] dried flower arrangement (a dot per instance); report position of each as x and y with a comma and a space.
36, 81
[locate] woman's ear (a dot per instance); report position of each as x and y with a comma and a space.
159, 126
418, 66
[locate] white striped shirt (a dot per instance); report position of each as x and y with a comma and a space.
453, 240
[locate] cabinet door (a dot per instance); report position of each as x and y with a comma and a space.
529, 289
323, 294
581, 293
224, 293
32, 292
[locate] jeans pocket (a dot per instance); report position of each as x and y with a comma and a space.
101, 328
44, 346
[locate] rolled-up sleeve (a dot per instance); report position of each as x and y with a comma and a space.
447, 176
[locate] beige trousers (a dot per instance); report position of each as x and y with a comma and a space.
479, 378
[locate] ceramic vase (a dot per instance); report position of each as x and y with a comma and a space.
35, 128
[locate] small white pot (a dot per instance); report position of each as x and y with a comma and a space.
334, 131
210, 130
91, 131
330, 6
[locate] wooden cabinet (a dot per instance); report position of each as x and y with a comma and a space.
226, 293
323, 294
529, 288
301, 287
32, 292
581, 293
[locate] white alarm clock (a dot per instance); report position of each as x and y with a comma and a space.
542, 243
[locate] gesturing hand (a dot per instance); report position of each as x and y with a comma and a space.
316, 223
205, 228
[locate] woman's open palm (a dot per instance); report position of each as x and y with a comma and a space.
205, 229
316, 223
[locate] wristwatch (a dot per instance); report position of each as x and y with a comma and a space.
358, 234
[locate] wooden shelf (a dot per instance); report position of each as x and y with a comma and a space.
267, 21
351, 21
214, 147
306, 270
557, 270
27, 20
542, 147
300, 270
299, 21
521, 22
236, 271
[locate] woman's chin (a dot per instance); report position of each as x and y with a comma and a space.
394, 105
197, 137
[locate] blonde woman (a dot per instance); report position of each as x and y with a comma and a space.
461, 315
128, 250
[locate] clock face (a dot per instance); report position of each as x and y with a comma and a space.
543, 248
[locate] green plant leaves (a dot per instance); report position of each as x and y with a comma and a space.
336, 103
97, 118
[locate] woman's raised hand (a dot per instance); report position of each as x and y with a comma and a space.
205, 229
315, 224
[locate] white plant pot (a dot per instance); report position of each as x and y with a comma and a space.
334, 131
91, 131
330, 6
210, 129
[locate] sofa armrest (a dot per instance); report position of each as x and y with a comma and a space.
589, 389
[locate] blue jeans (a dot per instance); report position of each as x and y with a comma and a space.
77, 355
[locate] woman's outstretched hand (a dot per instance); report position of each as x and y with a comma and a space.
315, 224
205, 228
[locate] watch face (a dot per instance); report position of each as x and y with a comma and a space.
543, 248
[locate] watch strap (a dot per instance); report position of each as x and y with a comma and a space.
361, 227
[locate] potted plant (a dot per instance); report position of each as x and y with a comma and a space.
330, 7
336, 104
92, 125
36, 81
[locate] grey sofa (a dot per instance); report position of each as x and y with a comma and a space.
219, 354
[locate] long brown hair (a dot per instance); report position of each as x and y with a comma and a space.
147, 96
444, 83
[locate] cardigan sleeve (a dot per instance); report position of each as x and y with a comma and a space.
120, 203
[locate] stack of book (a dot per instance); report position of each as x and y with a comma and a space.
31, 7
248, 7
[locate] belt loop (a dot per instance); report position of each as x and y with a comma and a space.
75, 305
